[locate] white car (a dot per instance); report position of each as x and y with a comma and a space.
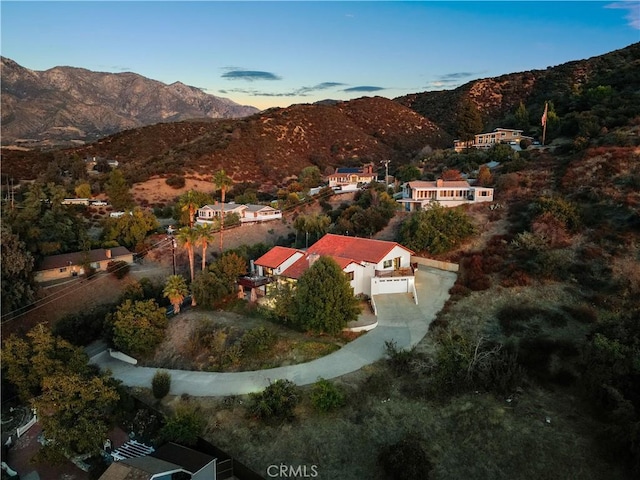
99, 203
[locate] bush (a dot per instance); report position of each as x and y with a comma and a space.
185, 425
119, 268
257, 341
175, 181
161, 384
277, 401
406, 459
326, 396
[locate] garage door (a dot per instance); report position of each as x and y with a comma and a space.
394, 285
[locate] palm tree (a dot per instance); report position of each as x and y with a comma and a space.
175, 289
204, 234
222, 182
191, 206
187, 238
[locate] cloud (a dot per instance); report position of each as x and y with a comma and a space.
298, 92
633, 14
363, 88
249, 75
455, 76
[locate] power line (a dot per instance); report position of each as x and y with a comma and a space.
67, 290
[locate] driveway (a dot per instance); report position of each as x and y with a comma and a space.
399, 320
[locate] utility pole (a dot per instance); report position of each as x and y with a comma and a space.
173, 251
386, 173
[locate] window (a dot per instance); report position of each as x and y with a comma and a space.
387, 263
349, 275
63, 269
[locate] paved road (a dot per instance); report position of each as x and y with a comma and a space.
399, 320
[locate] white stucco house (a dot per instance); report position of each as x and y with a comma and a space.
374, 267
420, 194
247, 213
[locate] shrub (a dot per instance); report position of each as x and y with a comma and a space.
185, 425
277, 401
326, 396
161, 384
119, 268
406, 459
175, 181
399, 359
257, 341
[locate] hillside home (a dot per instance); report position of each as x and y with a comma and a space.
419, 194
487, 140
349, 179
373, 267
249, 213
56, 267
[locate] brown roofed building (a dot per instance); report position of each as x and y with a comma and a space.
57, 267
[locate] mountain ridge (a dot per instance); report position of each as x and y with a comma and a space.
64, 104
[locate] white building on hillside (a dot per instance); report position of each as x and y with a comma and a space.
419, 194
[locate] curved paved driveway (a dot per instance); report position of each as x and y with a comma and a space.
399, 320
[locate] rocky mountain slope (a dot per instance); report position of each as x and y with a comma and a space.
65, 103
496, 97
264, 149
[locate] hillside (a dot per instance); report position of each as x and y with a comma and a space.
498, 97
265, 148
66, 104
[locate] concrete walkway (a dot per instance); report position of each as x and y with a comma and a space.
399, 320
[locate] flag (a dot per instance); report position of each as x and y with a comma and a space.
544, 115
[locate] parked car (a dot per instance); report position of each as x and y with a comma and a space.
99, 203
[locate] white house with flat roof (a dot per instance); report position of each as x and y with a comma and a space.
419, 194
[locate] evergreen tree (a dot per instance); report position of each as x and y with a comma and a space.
323, 299
138, 327
468, 120
222, 182
118, 192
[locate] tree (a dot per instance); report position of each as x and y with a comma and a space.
323, 299
138, 327
83, 190
73, 411
17, 271
205, 234
228, 268
310, 177
208, 289
468, 120
406, 173
185, 425
485, 178
28, 361
130, 230
176, 290
187, 238
118, 192
182, 209
161, 384
522, 117
222, 182
190, 205
435, 230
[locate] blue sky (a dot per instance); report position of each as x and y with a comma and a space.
277, 53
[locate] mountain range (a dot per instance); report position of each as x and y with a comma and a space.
266, 148
65, 103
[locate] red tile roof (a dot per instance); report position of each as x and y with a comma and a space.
354, 248
275, 257
301, 265
77, 258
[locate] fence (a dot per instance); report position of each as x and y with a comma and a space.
23, 429
440, 265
